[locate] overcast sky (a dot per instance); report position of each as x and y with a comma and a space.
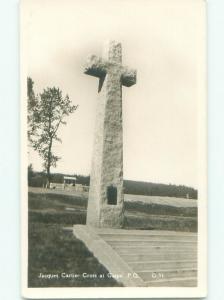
163, 40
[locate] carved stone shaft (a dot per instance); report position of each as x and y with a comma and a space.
106, 199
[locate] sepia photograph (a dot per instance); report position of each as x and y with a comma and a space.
113, 113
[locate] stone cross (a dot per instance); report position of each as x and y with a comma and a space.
106, 199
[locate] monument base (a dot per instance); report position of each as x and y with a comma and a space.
109, 216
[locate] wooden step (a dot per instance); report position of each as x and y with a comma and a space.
148, 275
128, 237
152, 257
148, 250
138, 232
174, 282
154, 249
164, 265
157, 243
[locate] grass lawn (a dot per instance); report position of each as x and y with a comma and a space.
54, 250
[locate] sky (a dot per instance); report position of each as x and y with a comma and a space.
163, 40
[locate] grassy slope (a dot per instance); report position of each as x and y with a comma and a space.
49, 208
53, 250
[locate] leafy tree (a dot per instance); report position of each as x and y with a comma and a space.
46, 112
30, 173
32, 107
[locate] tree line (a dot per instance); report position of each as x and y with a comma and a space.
38, 179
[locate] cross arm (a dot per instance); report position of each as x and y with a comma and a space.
95, 66
128, 77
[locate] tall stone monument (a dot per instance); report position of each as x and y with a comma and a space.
106, 199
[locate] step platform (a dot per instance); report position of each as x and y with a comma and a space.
138, 258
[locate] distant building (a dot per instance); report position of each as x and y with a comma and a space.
69, 184
69, 181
